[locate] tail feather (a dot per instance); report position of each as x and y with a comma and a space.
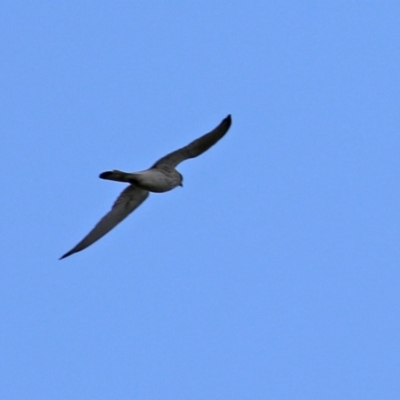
116, 175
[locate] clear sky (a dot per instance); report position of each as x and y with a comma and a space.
274, 273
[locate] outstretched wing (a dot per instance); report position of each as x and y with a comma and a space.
197, 147
128, 200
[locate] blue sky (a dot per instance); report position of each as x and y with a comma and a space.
274, 272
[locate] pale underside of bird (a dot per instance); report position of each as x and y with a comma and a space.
161, 177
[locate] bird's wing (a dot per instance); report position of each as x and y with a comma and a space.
127, 201
196, 147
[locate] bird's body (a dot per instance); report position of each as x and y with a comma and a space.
161, 177
155, 180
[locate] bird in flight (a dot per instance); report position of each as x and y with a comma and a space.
161, 177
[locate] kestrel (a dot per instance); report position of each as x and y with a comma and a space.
161, 177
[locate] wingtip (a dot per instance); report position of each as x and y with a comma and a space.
66, 255
227, 120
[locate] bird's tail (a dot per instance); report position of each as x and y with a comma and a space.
118, 176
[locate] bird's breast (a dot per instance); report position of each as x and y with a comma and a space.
158, 181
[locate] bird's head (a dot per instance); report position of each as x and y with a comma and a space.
181, 181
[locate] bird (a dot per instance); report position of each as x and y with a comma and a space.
161, 177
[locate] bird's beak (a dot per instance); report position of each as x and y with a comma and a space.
181, 184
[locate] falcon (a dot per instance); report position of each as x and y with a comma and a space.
160, 178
